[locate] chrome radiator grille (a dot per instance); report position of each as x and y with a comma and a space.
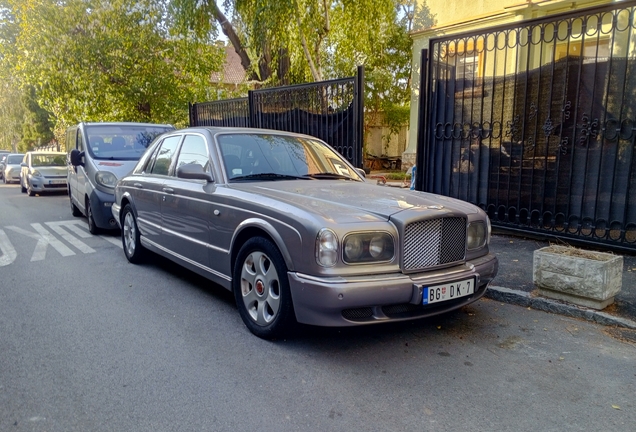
434, 242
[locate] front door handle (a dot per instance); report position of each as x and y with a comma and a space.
168, 190
138, 185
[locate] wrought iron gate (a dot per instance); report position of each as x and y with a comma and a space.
536, 123
329, 110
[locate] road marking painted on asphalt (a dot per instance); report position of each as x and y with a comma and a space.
58, 227
112, 240
44, 239
8, 251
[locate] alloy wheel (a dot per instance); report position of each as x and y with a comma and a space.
260, 288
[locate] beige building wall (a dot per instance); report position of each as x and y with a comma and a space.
448, 17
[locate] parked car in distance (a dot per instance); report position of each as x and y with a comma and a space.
3, 157
99, 155
43, 171
12, 167
297, 234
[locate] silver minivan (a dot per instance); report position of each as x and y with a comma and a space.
99, 154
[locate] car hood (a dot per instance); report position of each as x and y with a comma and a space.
120, 168
347, 202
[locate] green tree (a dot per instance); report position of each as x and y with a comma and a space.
119, 60
319, 39
37, 128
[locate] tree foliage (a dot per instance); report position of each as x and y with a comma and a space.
298, 41
145, 60
119, 60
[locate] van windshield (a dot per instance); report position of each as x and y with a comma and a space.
121, 142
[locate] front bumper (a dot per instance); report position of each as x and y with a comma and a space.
46, 184
12, 176
382, 298
101, 205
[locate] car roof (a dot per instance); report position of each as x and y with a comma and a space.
228, 129
46, 152
125, 124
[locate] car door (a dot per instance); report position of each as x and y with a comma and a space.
147, 192
186, 207
24, 169
80, 176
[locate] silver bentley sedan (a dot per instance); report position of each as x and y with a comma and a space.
297, 234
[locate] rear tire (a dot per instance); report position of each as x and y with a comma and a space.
130, 237
261, 289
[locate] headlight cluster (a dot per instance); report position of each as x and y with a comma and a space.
478, 234
367, 247
106, 179
327, 248
36, 173
357, 248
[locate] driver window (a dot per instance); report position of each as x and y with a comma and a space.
80, 140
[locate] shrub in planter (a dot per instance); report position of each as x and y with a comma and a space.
582, 277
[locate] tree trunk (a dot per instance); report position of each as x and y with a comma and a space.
228, 30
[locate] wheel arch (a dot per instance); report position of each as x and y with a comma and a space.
250, 228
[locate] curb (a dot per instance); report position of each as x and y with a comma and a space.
522, 298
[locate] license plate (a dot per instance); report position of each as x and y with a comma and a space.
57, 181
448, 291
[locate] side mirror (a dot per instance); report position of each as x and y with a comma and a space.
194, 171
76, 157
361, 172
22, 164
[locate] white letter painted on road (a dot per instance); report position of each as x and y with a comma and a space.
8, 251
44, 239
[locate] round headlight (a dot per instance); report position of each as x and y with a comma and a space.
353, 248
326, 248
377, 246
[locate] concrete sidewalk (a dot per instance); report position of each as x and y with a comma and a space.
514, 284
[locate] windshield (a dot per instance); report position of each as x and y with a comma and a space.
15, 159
48, 160
121, 142
281, 157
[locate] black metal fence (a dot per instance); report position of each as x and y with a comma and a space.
329, 110
536, 123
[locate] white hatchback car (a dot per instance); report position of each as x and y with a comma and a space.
11, 168
44, 172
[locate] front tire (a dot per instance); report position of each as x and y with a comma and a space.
130, 237
92, 227
30, 189
261, 289
22, 188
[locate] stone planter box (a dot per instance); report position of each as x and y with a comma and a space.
585, 278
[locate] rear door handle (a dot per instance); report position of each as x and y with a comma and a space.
168, 190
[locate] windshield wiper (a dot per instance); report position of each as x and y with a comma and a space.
270, 176
328, 175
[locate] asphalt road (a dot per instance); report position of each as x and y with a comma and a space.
89, 342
